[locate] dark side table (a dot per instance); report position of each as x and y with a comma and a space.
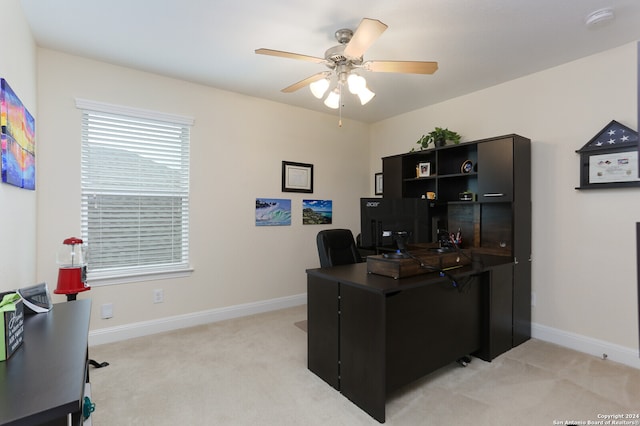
44, 380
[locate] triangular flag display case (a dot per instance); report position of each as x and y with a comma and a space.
610, 159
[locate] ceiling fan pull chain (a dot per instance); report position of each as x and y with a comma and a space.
340, 104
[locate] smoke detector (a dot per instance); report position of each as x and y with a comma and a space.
599, 17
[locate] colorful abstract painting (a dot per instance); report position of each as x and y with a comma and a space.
273, 212
18, 140
317, 212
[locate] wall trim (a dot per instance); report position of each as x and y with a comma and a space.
587, 345
145, 328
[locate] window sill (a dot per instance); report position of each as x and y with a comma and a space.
103, 280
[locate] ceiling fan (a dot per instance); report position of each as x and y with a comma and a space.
347, 57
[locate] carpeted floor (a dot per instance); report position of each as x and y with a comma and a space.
253, 371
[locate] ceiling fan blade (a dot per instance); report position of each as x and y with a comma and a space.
367, 32
307, 81
410, 67
290, 55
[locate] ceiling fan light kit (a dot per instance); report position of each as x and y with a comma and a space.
333, 99
346, 57
319, 87
356, 83
365, 95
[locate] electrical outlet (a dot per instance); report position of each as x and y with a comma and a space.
107, 310
158, 295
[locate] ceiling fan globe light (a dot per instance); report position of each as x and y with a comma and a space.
333, 100
356, 83
319, 87
365, 95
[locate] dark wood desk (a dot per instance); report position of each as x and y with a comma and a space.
44, 380
369, 335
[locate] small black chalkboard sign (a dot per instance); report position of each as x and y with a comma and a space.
11, 327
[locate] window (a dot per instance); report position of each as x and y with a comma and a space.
135, 192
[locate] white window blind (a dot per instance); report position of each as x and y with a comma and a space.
135, 191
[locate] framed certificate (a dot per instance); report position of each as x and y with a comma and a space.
614, 167
297, 177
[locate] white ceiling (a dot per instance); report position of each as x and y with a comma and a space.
477, 43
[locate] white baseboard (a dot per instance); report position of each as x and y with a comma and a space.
139, 329
587, 345
566, 339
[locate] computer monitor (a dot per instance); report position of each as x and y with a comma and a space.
412, 215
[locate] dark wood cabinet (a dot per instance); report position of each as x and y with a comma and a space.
497, 317
497, 219
491, 169
521, 302
495, 165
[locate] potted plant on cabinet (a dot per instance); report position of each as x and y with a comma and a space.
438, 137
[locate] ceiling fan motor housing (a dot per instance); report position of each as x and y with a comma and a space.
335, 56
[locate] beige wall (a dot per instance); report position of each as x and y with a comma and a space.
18, 206
584, 273
237, 146
584, 270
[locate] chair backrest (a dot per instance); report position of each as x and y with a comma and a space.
337, 247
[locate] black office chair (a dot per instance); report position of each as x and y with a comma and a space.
337, 247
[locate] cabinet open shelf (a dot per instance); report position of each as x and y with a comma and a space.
419, 178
